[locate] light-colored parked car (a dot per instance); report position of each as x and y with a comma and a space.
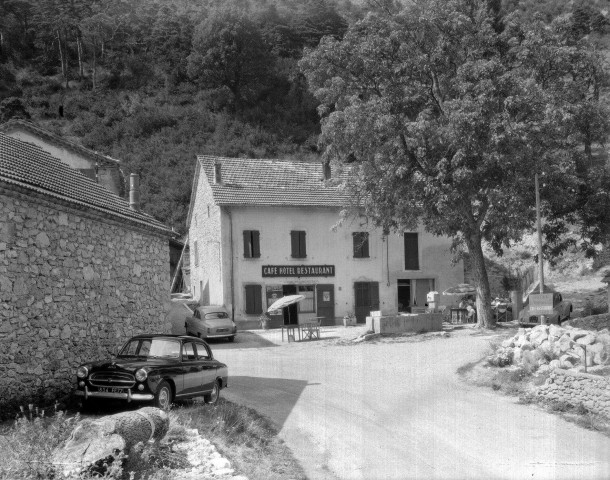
562, 311
211, 321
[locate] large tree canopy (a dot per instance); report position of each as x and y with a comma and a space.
445, 114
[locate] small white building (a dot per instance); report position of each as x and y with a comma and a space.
262, 229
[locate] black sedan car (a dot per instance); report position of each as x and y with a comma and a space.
155, 368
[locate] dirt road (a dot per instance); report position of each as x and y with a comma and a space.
398, 410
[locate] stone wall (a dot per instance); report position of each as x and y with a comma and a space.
592, 391
73, 287
592, 322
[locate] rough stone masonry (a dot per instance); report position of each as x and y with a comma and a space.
74, 286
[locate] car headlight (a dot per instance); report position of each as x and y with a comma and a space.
82, 372
141, 375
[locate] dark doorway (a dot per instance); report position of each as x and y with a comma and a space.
291, 312
366, 295
325, 295
404, 295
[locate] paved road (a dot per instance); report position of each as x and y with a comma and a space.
398, 411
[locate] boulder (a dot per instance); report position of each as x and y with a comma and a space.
556, 331
568, 360
555, 364
95, 443
521, 339
599, 353
538, 336
527, 346
508, 343
517, 355
546, 347
565, 342
577, 333
588, 339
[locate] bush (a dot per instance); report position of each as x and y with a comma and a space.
30, 441
501, 358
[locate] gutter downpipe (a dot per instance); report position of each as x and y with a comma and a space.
231, 252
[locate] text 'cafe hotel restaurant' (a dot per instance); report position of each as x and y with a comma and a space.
263, 229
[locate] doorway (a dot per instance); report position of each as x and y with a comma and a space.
404, 295
366, 296
325, 295
291, 312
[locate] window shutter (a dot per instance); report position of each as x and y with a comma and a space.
365, 245
294, 241
411, 251
303, 249
254, 303
356, 242
374, 289
247, 244
256, 246
258, 303
249, 299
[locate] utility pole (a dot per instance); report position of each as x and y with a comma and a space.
540, 263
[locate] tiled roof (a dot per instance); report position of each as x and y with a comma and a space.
58, 140
248, 181
29, 167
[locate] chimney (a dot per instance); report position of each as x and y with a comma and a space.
326, 171
217, 173
134, 191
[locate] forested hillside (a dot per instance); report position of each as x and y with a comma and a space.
155, 82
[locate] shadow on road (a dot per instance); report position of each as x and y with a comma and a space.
242, 340
272, 397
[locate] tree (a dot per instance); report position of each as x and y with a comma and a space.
443, 120
229, 51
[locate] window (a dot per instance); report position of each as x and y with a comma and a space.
411, 251
252, 247
203, 352
188, 351
254, 304
307, 304
361, 244
297, 239
196, 254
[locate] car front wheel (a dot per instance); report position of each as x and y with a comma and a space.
212, 397
163, 397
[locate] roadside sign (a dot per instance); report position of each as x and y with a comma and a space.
541, 304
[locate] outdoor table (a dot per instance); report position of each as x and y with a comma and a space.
290, 331
458, 315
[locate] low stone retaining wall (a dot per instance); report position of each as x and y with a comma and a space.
592, 391
592, 322
423, 322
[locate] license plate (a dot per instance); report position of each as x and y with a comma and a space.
110, 390
222, 330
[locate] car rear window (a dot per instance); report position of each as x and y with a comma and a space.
217, 315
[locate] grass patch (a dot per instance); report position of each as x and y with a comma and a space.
244, 437
240, 434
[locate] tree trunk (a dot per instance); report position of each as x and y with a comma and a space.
94, 73
484, 315
79, 49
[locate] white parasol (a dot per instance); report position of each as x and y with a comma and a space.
461, 289
284, 302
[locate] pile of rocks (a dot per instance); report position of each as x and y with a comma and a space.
551, 346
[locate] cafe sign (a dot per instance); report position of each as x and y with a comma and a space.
298, 270
541, 304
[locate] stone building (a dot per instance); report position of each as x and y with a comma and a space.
263, 229
101, 168
80, 271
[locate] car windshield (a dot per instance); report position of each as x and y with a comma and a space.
217, 315
151, 348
